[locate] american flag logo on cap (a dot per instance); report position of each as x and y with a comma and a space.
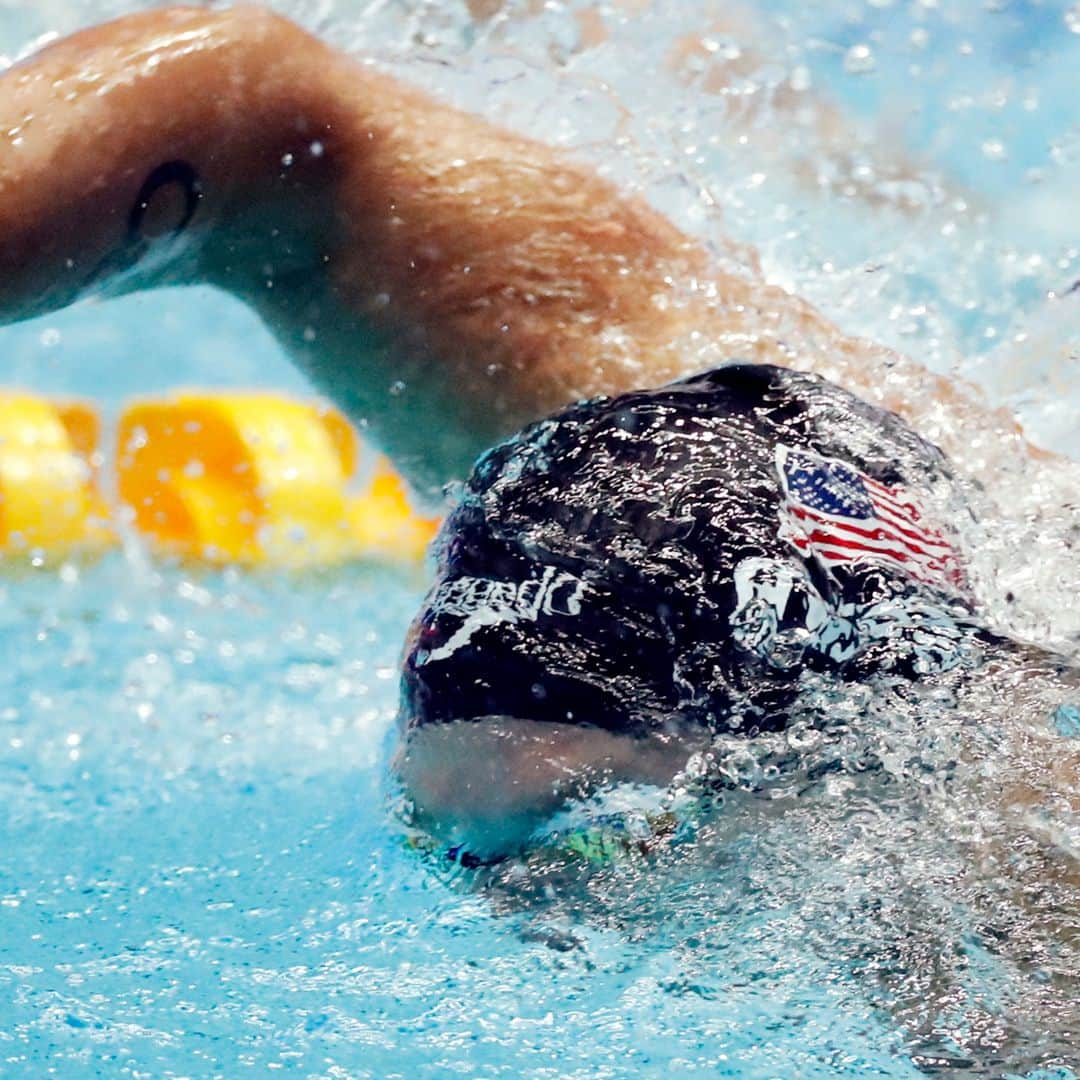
835, 514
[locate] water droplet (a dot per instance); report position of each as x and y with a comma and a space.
397, 388
800, 80
287, 160
1072, 19
148, 677
859, 60
994, 150
317, 149
50, 337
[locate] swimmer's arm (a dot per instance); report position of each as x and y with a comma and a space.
417, 261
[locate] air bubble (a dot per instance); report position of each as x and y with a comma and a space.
859, 60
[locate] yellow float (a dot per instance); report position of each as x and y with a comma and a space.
258, 479
49, 504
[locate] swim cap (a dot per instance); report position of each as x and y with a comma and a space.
677, 556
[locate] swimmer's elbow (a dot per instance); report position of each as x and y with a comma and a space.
127, 138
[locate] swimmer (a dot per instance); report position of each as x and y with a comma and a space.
620, 581
625, 581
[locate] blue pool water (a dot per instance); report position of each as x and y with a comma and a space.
200, 876
201, 873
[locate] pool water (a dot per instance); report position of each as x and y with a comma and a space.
202, 871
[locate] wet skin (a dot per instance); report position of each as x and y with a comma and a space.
444, 281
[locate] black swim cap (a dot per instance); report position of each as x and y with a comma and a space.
676, 556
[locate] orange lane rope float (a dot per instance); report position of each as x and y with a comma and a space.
249, 478
259, 479
50, 507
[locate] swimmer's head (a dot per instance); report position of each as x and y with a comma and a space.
578, 631
125, 148
622, 569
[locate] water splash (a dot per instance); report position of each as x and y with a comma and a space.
200, 866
